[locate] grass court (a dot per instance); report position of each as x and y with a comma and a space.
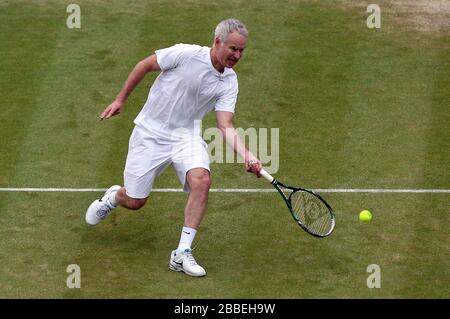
355, 107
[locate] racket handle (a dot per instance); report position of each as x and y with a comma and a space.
266, 175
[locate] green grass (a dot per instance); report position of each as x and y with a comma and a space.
356, 108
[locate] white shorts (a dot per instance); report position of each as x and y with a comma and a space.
148, 156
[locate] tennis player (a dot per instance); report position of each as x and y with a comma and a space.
194, 80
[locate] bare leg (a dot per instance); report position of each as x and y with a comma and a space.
128, 202
199, 183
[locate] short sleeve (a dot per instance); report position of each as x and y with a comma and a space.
175, 55
227, 101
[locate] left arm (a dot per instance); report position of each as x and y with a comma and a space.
229, 134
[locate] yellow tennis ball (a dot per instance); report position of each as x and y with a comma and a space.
365, 216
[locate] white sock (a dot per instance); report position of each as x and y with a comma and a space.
112, 199
186, 239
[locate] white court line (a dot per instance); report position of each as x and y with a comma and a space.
235, 190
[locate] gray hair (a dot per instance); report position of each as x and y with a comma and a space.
228, 26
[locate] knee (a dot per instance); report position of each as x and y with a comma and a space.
200, 182
135, 204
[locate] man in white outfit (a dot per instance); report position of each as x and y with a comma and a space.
194, 80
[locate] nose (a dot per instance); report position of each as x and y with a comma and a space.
237, 55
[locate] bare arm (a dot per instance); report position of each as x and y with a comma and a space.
145, 66
229, 134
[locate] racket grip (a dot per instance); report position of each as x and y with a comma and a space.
266, 175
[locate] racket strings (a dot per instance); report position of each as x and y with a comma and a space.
312, 213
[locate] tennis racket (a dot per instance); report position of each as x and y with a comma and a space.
309, 210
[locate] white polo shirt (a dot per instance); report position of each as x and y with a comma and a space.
187, 88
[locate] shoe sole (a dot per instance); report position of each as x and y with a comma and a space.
175, 268
108, 191
178, 268
87, 212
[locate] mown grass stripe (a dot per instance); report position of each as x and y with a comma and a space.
235, 190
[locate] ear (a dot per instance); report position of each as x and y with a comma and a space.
217, 42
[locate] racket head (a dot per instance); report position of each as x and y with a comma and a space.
311, 212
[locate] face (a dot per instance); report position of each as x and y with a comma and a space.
230, 52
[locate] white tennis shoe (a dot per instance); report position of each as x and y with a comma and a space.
101, 208
185, 262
